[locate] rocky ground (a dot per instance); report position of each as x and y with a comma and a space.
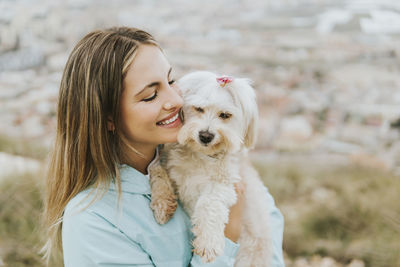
326, 71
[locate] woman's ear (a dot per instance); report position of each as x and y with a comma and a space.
110, 124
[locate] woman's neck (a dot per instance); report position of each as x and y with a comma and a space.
139, 162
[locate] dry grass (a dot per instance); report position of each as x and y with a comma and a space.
22, 147
341, 212
21, 208
20, 217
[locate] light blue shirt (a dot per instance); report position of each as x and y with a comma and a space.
107, 234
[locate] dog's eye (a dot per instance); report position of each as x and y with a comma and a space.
199, 109
225, 115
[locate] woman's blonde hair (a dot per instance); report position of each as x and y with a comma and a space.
86, 153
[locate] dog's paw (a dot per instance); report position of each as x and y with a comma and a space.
208, 249
163, 207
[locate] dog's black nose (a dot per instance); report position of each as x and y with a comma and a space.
205, 137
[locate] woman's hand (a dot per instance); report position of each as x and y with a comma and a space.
233, 227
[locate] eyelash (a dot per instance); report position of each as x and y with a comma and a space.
151, 98
156, 93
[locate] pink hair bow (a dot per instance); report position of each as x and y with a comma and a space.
224, 80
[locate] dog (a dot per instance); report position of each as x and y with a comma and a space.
201, 169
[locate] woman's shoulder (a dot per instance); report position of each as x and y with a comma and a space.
92, 214
77, 202
107, 198
83, 200
128, 211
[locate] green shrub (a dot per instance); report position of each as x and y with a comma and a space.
341, 212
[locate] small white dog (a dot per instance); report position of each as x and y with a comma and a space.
220, 123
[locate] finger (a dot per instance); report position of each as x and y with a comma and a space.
240, 187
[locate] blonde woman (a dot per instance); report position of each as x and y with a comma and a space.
117, 102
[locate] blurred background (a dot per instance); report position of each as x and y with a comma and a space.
327, 76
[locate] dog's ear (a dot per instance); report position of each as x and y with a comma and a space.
250, 137
247, 99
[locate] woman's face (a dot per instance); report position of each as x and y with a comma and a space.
150, 101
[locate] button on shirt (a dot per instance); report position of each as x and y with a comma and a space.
109, 233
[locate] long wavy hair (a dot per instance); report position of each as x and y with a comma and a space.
86, 152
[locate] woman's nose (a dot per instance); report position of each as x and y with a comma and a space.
174, 99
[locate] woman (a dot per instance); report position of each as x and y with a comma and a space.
117, 102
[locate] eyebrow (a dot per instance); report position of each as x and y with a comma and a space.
153, 83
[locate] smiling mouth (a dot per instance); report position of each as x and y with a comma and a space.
169, 121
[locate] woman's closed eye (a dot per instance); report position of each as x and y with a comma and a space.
150, 98
154, 95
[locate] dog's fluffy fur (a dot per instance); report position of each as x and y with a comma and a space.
220, 124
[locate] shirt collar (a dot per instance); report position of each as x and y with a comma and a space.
133, 181
155, 159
